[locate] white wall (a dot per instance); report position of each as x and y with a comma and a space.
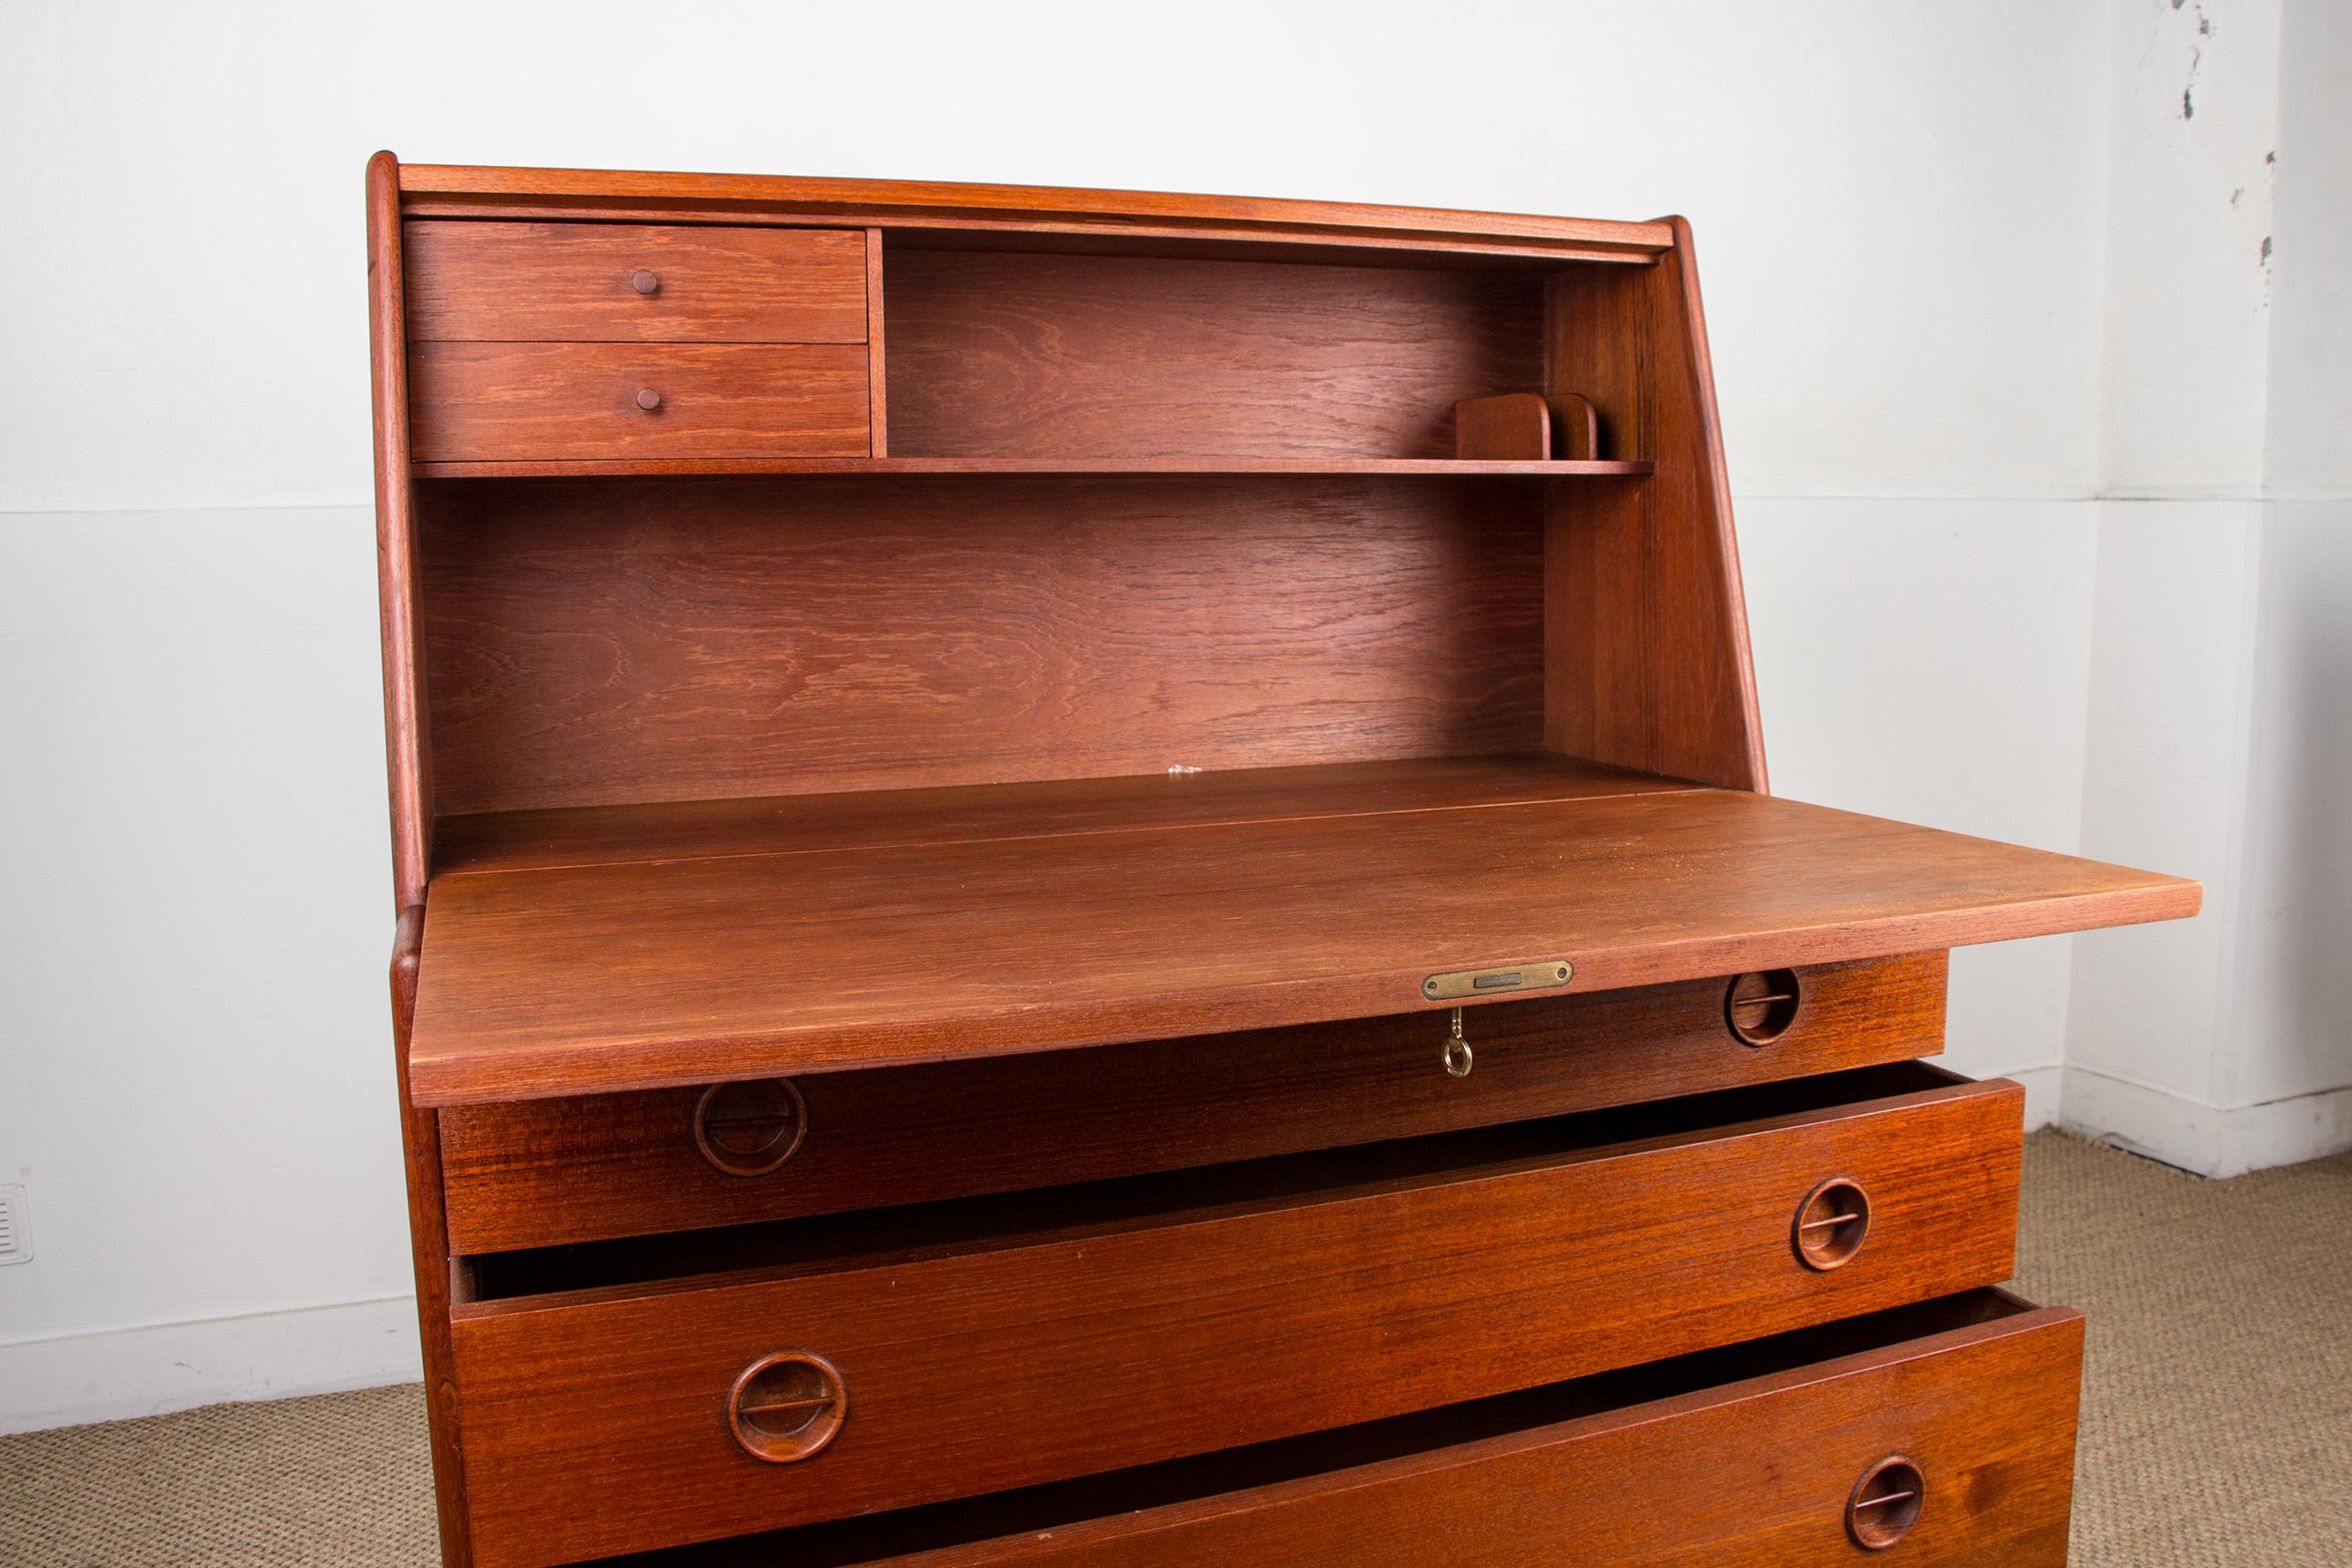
2220, 736
1903, 228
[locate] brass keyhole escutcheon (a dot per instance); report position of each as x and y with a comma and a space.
750, 1129
1759, 1008
1457, 1056
1832, 1222
787, 1407
1886, 1503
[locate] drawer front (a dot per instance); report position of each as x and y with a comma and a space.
613, 282
540, 1173
600, 1422
1757, 1473
518, 402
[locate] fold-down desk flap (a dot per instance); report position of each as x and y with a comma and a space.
584, 978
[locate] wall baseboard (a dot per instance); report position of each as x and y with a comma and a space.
2044, 1086
2212, 1140
112, 1375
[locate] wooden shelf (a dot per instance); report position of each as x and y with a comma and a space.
602, 949
1433, 467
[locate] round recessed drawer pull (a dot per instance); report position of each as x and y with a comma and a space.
787, 1407
1759, 1008
648, 399
1832, 1222
644, 281
750, 1129
1884, 1503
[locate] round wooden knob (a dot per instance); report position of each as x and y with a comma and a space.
1759, 1008
750, 1129
1884, 1503
642, 281
787, 1407
1832, 1222
649, 400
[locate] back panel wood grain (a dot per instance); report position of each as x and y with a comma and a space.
580, 282
658, 640
996, 355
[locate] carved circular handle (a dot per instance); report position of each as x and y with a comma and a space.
1760, 1007
787, 1407
750, 1128
642, 281
1884, 1503
1831, 1224
648, 399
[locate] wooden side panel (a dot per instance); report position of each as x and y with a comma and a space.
420, 1140
408, 758
1757, 1474
482, 401
996, 354
1646, 629
595, 1424
539, 1172
618, 282
667, 640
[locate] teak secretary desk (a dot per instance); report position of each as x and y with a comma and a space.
1085, 877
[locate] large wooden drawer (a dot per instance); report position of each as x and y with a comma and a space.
623, 282
1005, 1342
542, 1172
493, 402
1746, 1458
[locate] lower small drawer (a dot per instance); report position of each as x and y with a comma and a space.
1795, 1451
552, 1172
612, 1401
536, 402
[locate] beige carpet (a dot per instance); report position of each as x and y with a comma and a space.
2217, 1420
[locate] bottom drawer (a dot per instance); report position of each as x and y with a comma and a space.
1946, 1427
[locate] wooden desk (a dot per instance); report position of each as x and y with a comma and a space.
1086, 877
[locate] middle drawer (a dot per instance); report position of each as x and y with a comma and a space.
896, 1359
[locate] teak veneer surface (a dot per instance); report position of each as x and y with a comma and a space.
580, 979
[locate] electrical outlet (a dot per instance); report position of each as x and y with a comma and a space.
15, 1237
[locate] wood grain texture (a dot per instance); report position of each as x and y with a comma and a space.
798, 823
1755, 1473
573, 283
586, 979
430, 187
420, 1141
669, 640
1105, 1338
408, 760
1646, 634
540, 1173
1010, 355
486, 402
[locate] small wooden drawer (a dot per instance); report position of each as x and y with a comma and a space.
493, 402
1753, 1457
618, 282
977, 1346
542, 1172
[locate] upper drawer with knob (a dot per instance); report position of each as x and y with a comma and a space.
633, 283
